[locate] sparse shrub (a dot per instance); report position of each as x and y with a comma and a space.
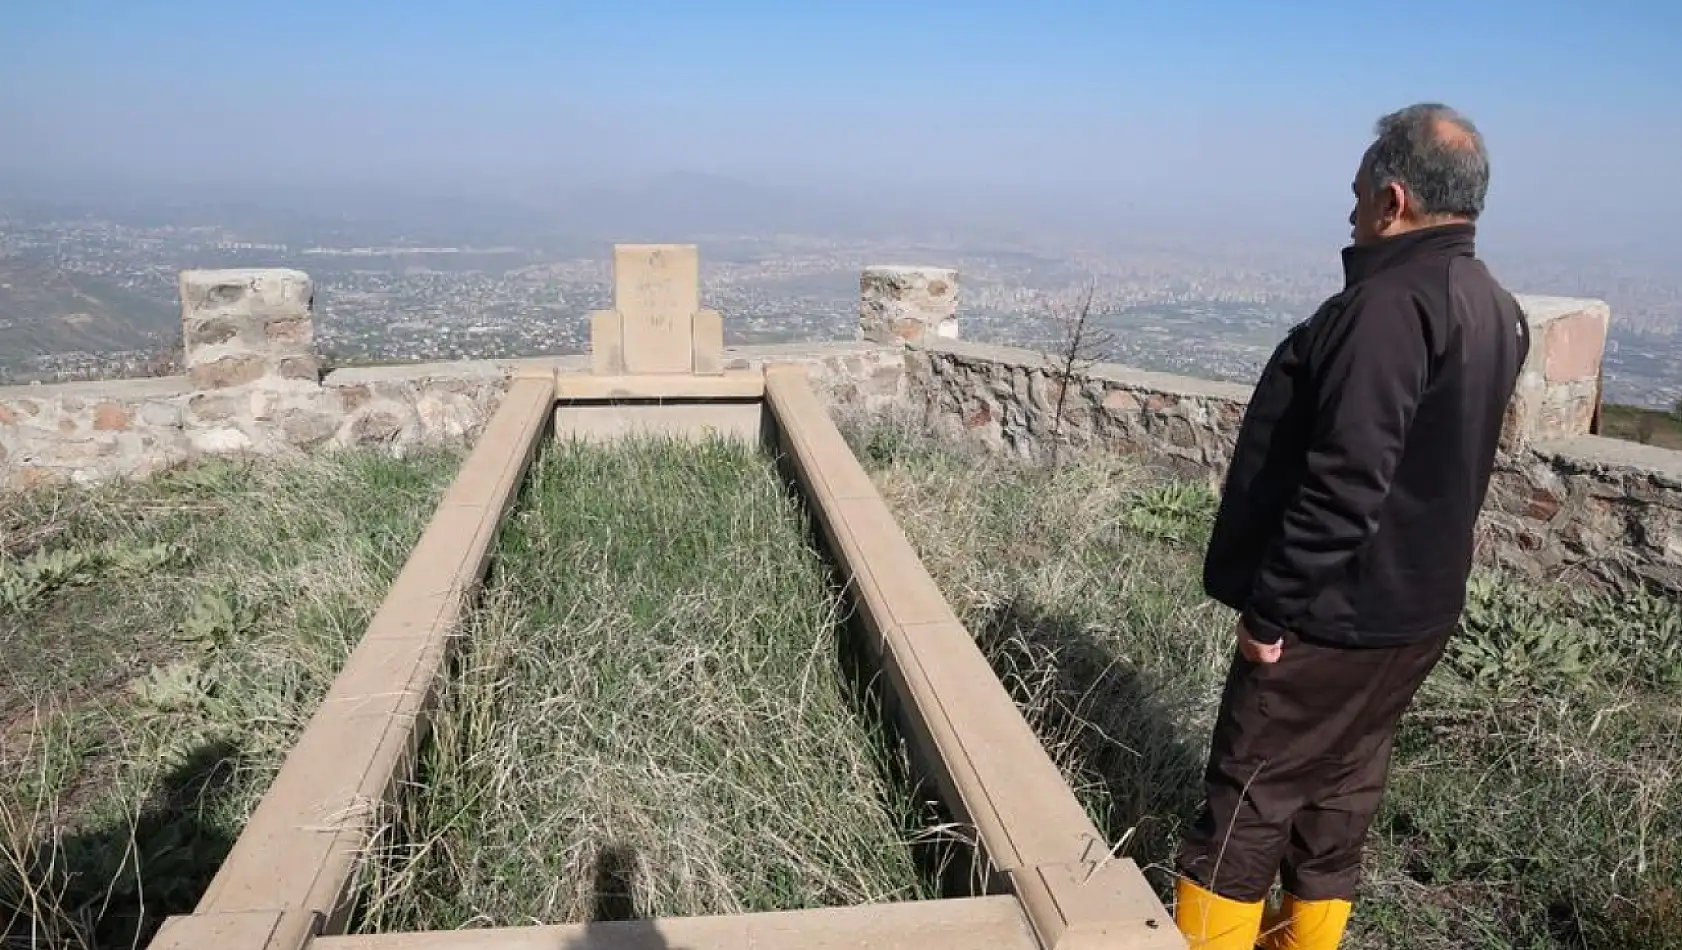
165, 641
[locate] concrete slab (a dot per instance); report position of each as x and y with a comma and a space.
808, 437
976, 923
607, 343
604, 422
709, 342
1095, 906
258, 930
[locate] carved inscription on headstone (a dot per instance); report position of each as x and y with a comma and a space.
657, 289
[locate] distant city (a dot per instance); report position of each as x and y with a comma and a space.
85, 295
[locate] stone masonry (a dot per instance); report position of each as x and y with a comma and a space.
253, 387
1562, 501
1005, 399
244, 325
1588, 507
908, 304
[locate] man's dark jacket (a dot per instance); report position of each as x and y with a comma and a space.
1349, 510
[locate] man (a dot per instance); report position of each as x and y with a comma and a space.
1344, 539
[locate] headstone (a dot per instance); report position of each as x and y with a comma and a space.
656, 325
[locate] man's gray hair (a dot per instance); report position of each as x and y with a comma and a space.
1442, 174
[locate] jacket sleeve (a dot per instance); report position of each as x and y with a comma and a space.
1367, 366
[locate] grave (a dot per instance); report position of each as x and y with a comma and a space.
1044, 876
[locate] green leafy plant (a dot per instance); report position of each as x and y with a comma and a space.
1177, 511
215, 620
1512, 640
1646, 634
24, 582
172, 688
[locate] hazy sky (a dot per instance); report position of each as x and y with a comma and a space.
1261, 105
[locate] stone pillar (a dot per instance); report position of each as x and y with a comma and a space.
908, 304
248, 324
1558, 393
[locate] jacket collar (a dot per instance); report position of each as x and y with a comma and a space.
1363, 261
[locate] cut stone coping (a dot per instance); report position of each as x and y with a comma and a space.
142, 388
1593, 452
1127, 377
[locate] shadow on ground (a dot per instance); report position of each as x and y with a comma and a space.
113, 887
1140, 771
614, 922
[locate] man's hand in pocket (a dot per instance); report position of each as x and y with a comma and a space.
1257, 652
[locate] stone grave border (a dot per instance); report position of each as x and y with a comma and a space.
1049, 877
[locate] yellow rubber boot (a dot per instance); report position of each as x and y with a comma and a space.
1209, 921
1308, 925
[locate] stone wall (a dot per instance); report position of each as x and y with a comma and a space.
253, 386
1600, 508
1006, 399
1563, 502
89, 432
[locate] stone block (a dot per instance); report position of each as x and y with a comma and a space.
908, 304
111, 417
708, 345
656, 291
242, 325
1558, 390
607, 344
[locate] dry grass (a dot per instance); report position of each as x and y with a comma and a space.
1536, 799
164, 645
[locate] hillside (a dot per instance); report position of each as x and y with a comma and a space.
47, 309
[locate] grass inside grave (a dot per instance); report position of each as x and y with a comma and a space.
651, 715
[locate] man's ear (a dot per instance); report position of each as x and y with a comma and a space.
1394, 206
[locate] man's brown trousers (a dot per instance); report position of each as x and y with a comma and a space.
1297, 767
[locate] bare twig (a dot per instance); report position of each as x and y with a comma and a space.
1081, 345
